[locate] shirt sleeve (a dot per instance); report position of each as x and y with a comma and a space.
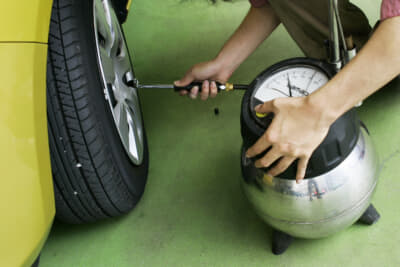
390, 8
258, 3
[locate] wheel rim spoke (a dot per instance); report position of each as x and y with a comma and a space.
123, 126
108, 65
104, 23
118, 109
133, 102
123, 63
134, 106
134, 141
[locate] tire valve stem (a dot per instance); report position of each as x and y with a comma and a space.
78, 165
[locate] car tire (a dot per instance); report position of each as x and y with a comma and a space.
98, 146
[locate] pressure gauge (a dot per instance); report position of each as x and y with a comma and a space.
298, 77
293, 79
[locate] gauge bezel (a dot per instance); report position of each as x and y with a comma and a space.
273, 70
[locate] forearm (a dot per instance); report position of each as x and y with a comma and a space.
255, 28
376, 64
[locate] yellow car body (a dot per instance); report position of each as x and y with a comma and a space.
26, 189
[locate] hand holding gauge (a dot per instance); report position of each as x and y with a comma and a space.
297, 127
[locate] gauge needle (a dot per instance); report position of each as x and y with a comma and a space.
301, 91
289, 85
280, 91
312, 77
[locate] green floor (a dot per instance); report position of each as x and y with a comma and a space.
193, 212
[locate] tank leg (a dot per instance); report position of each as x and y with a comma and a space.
280, 242
370, 216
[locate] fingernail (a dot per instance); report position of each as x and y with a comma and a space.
257, 107
195, 94
176, 82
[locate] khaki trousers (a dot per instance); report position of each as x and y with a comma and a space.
307, 21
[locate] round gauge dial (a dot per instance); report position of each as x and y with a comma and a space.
288, 81
292, 81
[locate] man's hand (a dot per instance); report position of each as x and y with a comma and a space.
255, 28
296, 131
209, 72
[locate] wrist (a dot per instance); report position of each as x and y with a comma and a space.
322, 107
224, 67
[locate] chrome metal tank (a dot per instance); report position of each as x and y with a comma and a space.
341, 175
319, 206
